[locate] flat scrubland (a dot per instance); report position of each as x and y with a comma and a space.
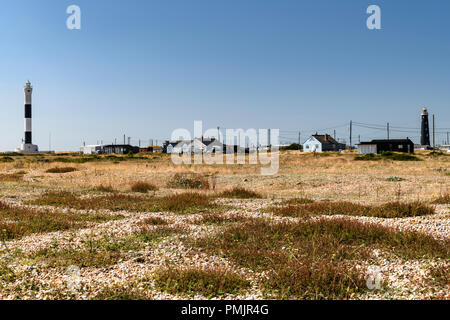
140, 227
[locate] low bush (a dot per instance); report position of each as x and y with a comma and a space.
143, 187
240, 193
183, 203
61, 170
387, 210
443, 199
191, 281
315, 259
189, 181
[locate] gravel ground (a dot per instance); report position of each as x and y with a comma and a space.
404, 279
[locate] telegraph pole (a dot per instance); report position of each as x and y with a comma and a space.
334, 134
447, 139
387, 130
351, 125
434, 135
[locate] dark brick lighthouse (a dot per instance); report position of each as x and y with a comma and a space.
425, 130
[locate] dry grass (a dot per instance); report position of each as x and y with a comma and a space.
154, 221
239, 193
122, 294
149, 235
143, 187
315, 259
61, 170
183, 203
104, 188
444, 199
388, 210
211, 282
217, 218
105, 251
16, 222
12, 177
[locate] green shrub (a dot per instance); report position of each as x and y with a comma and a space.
189, 181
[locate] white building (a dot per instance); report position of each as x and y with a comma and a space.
445, 147
367, 148
91, 149
322, 143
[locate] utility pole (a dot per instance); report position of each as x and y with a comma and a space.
218, 133
359, 138
434, 135
387, 127
124, 139
447, 139
139, 143
334, 134
351, 125
115, 141
299, 140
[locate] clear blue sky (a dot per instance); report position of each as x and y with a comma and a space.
145, 67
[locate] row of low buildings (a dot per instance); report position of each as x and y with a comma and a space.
197, 145
316, 143
117, 149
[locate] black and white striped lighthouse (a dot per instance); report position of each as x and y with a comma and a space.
28, 92
27, 145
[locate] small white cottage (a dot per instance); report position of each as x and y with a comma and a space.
322, 143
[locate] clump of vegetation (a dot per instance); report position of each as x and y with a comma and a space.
399, 156
212, 282
16, 222
6, 273
388, 210
61, 170
143, 187
215, 218
441, 274
315, 259
102, 252
12, 177
394, 179
189, 181
183, 203
443, 199
293, 146
368, 157
105, 188
387, 155
122, 293
150, 235
297, 201
154, 221
239, 193
6, 159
